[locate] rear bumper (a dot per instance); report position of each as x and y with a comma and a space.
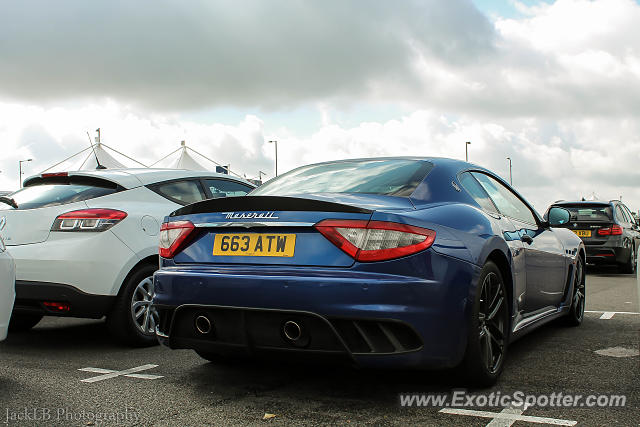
7, 295
373, 319
94, 263
31, 295
7, 292
601, 254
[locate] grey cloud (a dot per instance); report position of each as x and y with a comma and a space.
175, 55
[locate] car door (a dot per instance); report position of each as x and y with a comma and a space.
626, 222
510, 233
545, 260
635, 229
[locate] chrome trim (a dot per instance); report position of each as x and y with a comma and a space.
528, 320
292, 335
203, 325
253, 224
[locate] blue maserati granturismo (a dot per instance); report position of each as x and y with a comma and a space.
385, 262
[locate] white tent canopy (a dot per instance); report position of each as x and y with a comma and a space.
186, 161
88, 158
99, 154
96, 155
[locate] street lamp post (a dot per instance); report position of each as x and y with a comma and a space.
20, 162
466, 151
276, 144
510, 176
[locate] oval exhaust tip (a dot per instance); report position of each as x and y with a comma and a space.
203, 325
292, 330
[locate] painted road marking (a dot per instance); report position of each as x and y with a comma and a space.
607, 315
506, 422
109, 373
618, 352
508, 416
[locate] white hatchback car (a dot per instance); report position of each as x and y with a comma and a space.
85, 243
7, 287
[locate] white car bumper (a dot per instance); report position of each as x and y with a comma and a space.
7, 292
84, 269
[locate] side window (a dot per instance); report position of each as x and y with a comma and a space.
226, 188
620, 214
507, 203
629, 214
475, 190
184, 192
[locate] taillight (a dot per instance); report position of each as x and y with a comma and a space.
88, 220
614, 230
57, 306
173, 237
375, 240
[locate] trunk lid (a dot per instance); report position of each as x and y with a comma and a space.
23, 227
285, 223
43, 198
587, 219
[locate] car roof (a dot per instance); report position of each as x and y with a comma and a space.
583, 202
135, 177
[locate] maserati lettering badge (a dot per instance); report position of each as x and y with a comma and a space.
250, 215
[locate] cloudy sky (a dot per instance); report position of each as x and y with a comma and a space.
555, 85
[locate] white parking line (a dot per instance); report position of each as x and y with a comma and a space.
502, 422
504, 415
607, 315
109, 373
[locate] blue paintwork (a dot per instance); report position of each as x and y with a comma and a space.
430, 290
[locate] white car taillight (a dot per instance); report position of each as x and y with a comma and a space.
376, 240
173, 237
88, 220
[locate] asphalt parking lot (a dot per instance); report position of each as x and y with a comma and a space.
69, 372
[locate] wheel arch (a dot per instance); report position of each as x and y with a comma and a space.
149, 260
499, 258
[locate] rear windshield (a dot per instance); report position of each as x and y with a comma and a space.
595, 213
393, 177
43, 195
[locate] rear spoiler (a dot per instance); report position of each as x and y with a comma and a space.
266, 203
65, 178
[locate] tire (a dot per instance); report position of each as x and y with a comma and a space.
122, 322
489, 329
629, 267
578, 300
23, 322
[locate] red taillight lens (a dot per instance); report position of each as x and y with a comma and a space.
54, 174
57, 306
614, 230
173, 237
375, 240
88, 220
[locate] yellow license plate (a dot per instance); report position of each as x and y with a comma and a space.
254, 244
582, 233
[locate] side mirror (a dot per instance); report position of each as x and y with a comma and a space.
558, 217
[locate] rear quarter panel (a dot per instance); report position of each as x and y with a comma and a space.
462, 231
